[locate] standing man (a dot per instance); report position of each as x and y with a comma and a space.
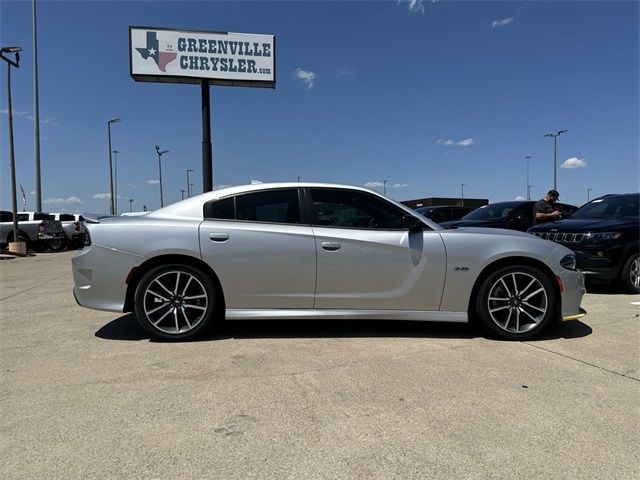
545, 210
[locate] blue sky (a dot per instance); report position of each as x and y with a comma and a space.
426, 95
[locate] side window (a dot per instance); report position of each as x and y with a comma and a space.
221, 209
274, 206
23, 217
277, 206
6, 217
352, 209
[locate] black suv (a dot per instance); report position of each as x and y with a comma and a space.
516, 215
444, 213
604, 235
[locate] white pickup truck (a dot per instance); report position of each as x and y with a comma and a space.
39, 230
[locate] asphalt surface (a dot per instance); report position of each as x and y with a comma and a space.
85, 394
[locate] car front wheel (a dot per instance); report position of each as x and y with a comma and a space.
516, 303
631, 274
175, 302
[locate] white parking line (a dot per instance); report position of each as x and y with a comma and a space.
635, 303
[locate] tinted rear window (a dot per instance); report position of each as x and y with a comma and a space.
65, 217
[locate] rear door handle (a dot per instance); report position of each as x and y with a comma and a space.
331, 246
218, 237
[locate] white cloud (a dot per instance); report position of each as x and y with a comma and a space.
414, 6
101, 196
345, 71
306, 76
218, 187
374, 184
461, 143
53, 121
519, 197
255, 182
501, 23
33, 192
129, 185
152, 182
574, 162
70, 200
400, 185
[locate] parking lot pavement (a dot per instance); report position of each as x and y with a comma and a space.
86, 394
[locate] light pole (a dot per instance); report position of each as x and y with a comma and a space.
527, 157
384, 185
529, 191
130, 205
12, 160
115, 184
589, 194
462, 194
36, 112
188, 184
182, 192
112, 207
555, 163
299, 177
160, 153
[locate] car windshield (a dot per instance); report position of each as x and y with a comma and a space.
496, 211
618, 206
426, 211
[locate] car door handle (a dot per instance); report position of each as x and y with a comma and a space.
218, 237
331, 246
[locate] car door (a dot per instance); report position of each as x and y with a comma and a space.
262, 254
367, 260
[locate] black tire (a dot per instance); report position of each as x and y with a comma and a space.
56, 245
173, 313
516, 302
630, 275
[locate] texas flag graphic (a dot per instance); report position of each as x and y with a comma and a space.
162, 58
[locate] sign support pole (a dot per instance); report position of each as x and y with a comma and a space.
207, 157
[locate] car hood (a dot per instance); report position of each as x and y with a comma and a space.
584, 225
503, 232
473, 223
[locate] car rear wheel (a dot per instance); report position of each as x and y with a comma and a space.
175, 302
631, 274
516, 303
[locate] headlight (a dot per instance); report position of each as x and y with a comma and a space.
569, 262
604, 236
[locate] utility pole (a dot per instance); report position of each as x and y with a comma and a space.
182, 192
462, 194
188, 184
115, 174
527, 157
14, 246
112, 207
36, 113
589, 194
384, 184
130, 205
555, 163
160, 153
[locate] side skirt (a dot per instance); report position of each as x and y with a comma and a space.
330, 314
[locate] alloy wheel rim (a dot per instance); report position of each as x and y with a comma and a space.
517, 302
634, 273
175, 302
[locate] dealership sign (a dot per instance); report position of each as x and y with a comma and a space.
181, 56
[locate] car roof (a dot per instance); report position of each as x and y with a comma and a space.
192, 207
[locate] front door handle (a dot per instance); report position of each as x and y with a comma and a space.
331, 246
218, 237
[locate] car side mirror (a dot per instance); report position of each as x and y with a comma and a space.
411, 223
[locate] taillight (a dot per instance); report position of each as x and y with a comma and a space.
77, 224
41, 227
87, 238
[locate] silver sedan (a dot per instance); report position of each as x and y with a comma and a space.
318, 251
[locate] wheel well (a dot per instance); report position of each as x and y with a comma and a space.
21, 233
509, 262
141, 270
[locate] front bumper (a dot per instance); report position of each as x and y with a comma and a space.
577, 316
573, 287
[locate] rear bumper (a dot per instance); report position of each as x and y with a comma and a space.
99, 277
